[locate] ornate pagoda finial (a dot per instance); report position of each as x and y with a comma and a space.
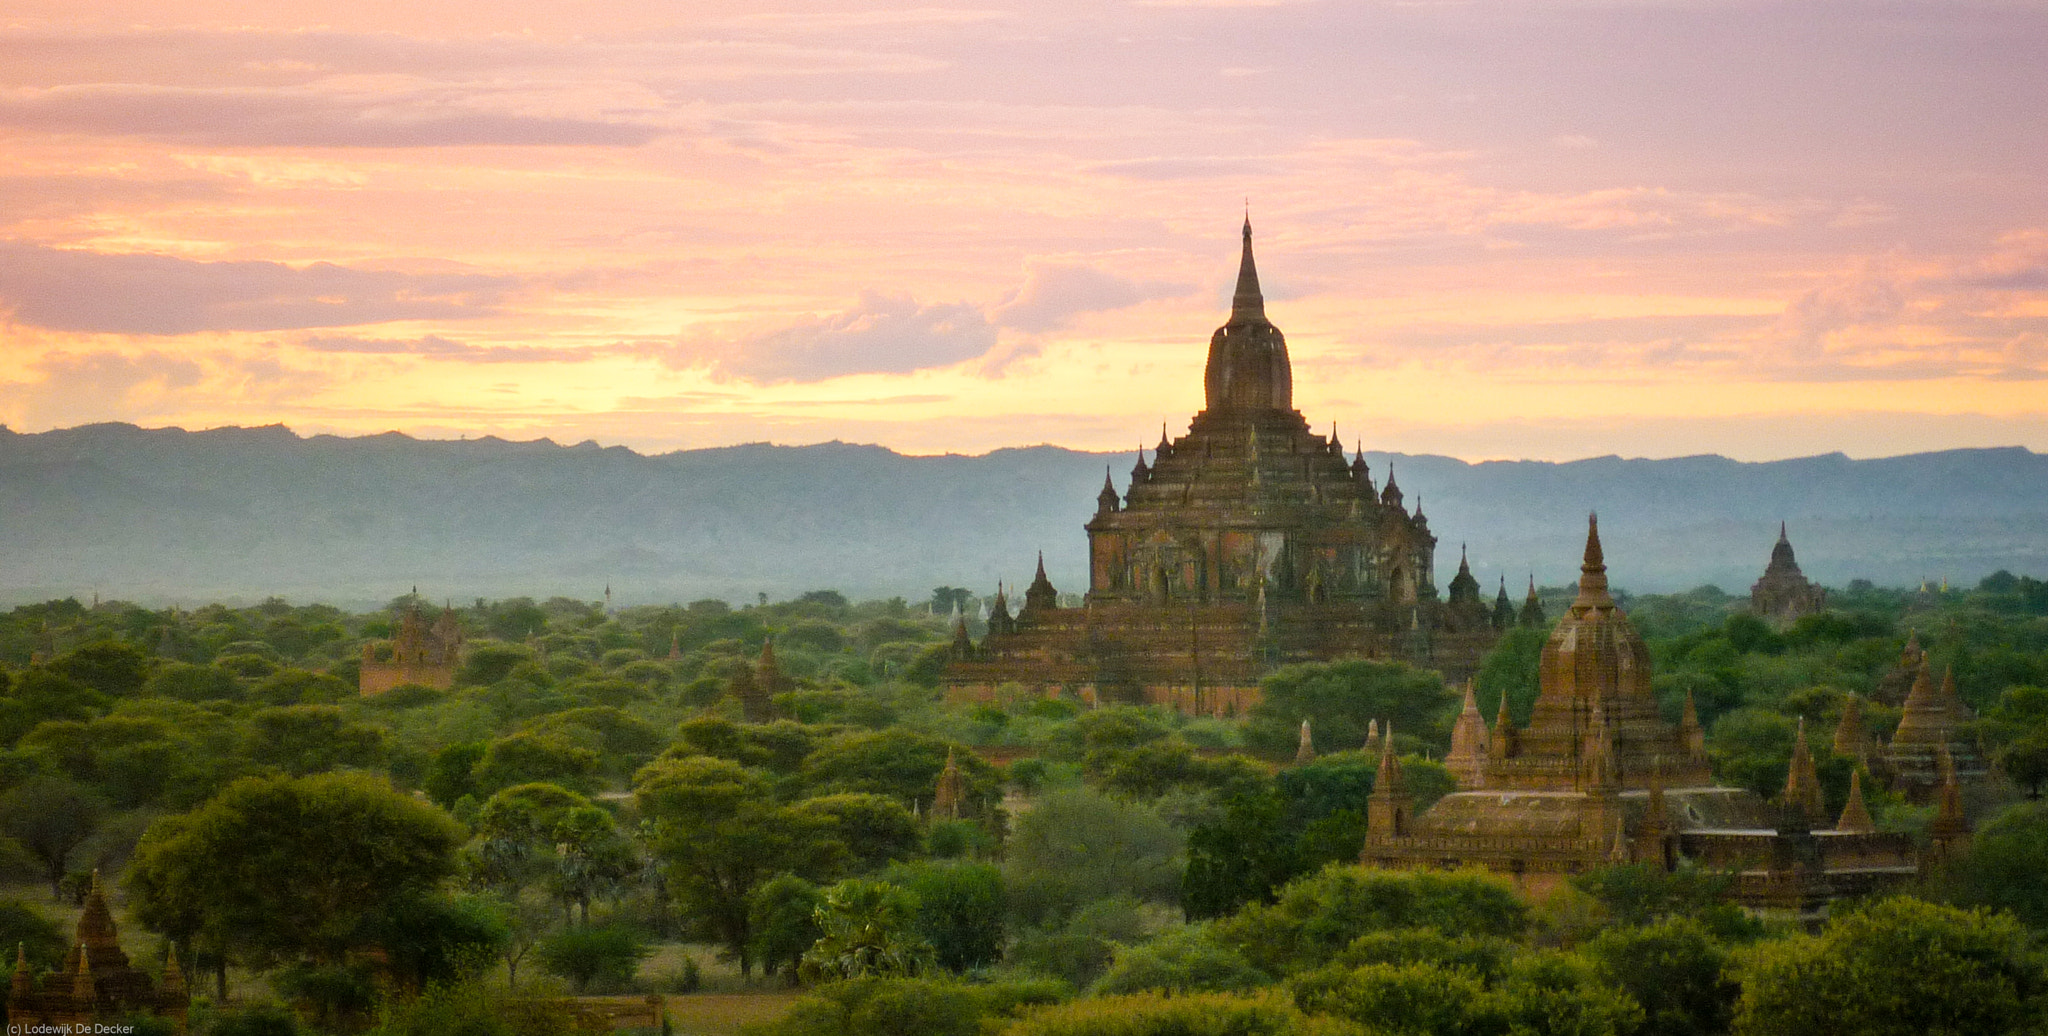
1855, 815
1248, 303
1593, 571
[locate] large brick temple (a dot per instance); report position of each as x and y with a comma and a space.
1248, 543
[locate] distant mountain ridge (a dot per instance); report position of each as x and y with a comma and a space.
241, 513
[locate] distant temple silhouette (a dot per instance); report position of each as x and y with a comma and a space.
1784, 594
416, 654
1245, 544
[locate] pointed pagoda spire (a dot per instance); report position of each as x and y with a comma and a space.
1391, 496
24, 983
946, 799
1467, 758
1851, 739
1359, 470
1387, 808
1248, 303
1372, 737
1802, 782
1949, 830
1106, 501
1164, 446
1305, 751
1855, 817
1532, 616
1690, 731
174, 975
1139, 471
1040, 595
83, 989
1593, 572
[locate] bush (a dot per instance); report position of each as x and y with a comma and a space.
604, 957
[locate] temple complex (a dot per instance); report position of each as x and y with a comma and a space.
1595, 776
1784, 594
1930, 745
417, 654
1248, 543
95, 986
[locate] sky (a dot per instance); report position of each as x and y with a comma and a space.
1541, 229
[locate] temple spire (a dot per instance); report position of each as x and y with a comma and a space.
1248, 303
1593, 571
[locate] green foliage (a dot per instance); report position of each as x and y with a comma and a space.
485, 663
602, 957
1675, 970
1486, 957
1181, 960
1316, 917
782, 916
529, 756
282, 867
902, 764
1510, 669
1540, 992
303, 739
1340, 699
1076, 847
113, 669
1079, 949
897, 1007
2004, 865
718, 834
430, 938
867, 831
450, 776
51, 817
1900, 966
468, 1009
867, 930
39, 937
257, 1019
960, 908
194, 683
1198, 1014
1242, 857
1643, 894
299, 687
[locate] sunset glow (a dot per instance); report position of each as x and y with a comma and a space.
1489, 229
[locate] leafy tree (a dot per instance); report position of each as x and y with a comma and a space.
1340, 699
37, 936
1675, 970
868, 831
960, 909
41, 695
113, 669
430, 938
1315, 917
606, 956
2004, 865
719, 835
867, 930
782, 914
299, 687
1079, 948
1897, 967
1182, 960
289, 867
1242, 857
1510, 668
899, 763
303, 739
51, 817
450, 776
194, 683
1077, 846
2026, 760
529, 757
1644, 894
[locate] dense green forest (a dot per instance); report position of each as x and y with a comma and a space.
584, 811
